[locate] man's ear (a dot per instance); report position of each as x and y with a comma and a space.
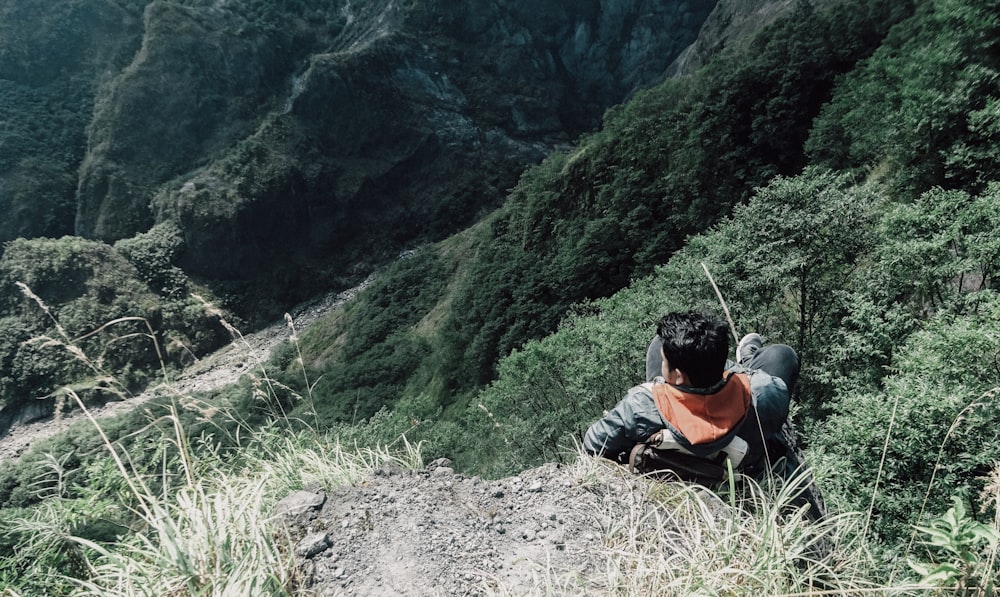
678, 378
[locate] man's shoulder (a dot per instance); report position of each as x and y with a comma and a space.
641, 392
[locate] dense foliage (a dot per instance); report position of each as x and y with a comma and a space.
46, 99
127, 311
373, 357
924, 106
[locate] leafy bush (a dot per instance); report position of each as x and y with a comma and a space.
935, 417
922, 109
58, 296
154, 254
968, 549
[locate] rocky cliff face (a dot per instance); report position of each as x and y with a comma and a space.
314, 137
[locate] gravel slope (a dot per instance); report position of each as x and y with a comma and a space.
435, 532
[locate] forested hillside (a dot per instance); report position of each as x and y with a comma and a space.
835, 172
585, 223
258, 153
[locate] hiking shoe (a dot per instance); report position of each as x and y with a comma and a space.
750, 344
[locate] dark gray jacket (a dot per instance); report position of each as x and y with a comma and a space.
635, 418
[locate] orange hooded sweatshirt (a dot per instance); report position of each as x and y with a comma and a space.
700, 417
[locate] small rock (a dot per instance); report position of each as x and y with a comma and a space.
299, 503
445, 462
535, 487
388, 469
313, 544
442, 471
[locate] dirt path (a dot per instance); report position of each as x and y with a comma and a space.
213, 371
436, 532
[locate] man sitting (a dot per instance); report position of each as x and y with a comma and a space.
698, 403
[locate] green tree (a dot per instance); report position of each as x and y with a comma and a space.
782, 262
922, 108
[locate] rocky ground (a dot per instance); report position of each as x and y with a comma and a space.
436, 532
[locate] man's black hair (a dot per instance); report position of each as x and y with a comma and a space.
697, 344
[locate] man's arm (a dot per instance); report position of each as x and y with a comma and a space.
633, 420
609, 437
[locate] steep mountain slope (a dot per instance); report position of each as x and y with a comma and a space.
359, 131
260, 153
584, 223
53, 58
308, 140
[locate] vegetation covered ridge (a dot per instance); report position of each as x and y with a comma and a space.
869, 242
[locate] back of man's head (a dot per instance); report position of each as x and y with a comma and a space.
697, 344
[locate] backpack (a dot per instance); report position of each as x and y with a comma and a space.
662, 455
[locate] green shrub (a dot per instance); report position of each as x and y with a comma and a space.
154, 255
935, 416
922, 109
75, 312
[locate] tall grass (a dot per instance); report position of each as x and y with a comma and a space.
213, 535
680, 539
756, 539
206, 529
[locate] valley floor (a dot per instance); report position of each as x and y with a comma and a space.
214, 371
